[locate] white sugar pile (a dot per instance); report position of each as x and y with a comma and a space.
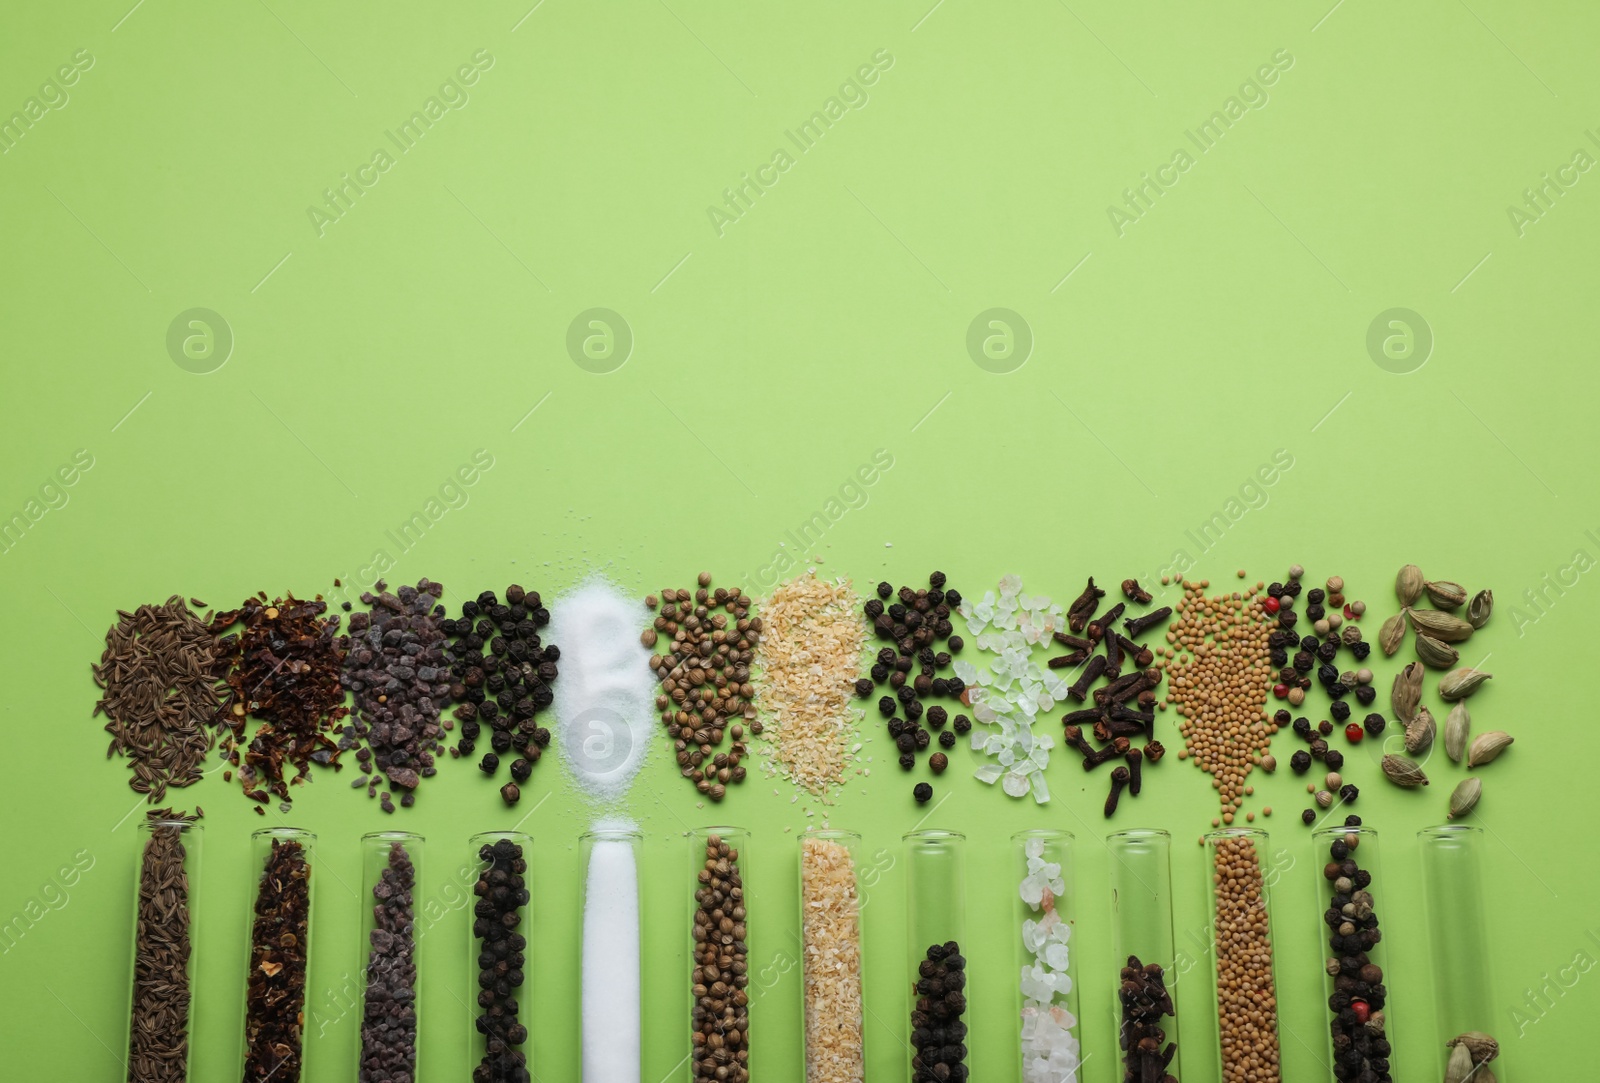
604, 697
611, 988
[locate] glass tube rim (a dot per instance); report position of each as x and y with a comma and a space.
1140, 834
1047, 833
1359, 830
830, 834
477, 838
716, 829
933, 834
612, 834
1221, 833
298, 834
392, 836
1449, 831
182, 825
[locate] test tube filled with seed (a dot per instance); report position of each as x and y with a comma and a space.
280, 948
1350, 887
1245, 983
1143, 952
498, 944
1047, 996
161, 1011
936, 920
831, 898
719, 1021
391, 867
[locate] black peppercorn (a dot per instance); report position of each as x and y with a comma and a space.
1300, 761
1365, 694
884, 590
962, 724
936, 580
880, 673
1324, 727
489, 764
1348, 793
908, 760
1302, 727
937, 717
1308, 817
922, 792
1339, 709
947, 739
1333, 758
1352, 820
864, 687
905, 742
887, 706
955, 643
1374, 723
1361, 650
922, 738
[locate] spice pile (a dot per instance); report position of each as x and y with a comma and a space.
395, 670
1247, 999
914, 623
284, 668
830, 930
1146, 1053
937, 1032
276, 995
721, 1021
1320, 648
1219, 671
1360, 1048
389, 1010
502, 893
705, 680
1012, 692
159, 673
158, 1043
1050, 1049
808, 655
1112, 720
507, 687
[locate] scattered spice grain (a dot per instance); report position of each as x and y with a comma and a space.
160, 680
808, 655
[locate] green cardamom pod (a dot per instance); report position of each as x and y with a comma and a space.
1459, 1065
1479, 609
1420, 731
1407, 691
1445, 594
1436, 653
1461, 683
1445, 626
1457, 728
1486, 746
1392, 634
1408, 584
1482, 1046
1462, 801
1402, 772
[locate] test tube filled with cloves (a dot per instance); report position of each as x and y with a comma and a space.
1143, 952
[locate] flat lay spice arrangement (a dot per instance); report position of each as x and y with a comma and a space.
163, 949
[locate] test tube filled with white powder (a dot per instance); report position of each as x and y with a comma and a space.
611, 955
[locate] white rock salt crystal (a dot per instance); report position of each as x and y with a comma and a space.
1014, 784
966, 671
1055, 956
989, 773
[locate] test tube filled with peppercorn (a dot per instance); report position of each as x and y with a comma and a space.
1245, 981
280, 950
1143, 952
719, 1010
161, 1013
391, 868
1350, 887
830, 935
1047, 996
1466, 1009
936, 920
498, 1049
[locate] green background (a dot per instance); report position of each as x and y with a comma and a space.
767, 363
